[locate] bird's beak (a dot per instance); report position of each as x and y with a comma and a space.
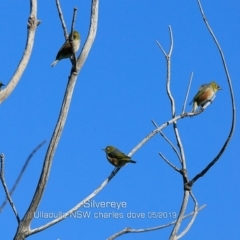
104, 150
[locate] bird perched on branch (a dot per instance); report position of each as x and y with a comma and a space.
116, 157
1, 84
205, 94
66, 49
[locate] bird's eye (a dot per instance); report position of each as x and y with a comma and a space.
108, 148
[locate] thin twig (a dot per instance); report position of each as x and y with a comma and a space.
195, 212
161, 48
154, 132
129, 230
205, 170
62, 19
6, 189
188, 89
74, 61
165, 137
168, 59
168, 162
21, 173
73, 19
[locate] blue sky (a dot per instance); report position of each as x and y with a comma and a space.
120, 89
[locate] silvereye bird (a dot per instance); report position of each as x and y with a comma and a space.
116, 157
1, 84
66, 49
205, 94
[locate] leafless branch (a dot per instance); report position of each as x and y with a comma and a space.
186, 98
154, 132
74, 60
129, 230
62, 19
205, 170
168, 59
91, 36
74, 18
32, 26
24, 226
169, 163
164, 53
195, 212
21, 173
165, 137
180, 215
6, 189
75, 208
177, 135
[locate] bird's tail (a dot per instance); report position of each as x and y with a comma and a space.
54, 63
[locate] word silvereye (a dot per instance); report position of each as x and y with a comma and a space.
116, 157
1, 84
66, 49
205, 94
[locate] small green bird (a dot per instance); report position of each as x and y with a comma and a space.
1, 84
205, 94
116, 157
66, 49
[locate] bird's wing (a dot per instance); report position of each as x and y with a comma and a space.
118, 155
203, 86
65, 49
202, 89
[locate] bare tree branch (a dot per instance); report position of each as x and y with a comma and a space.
73, 19
91, 36
164, 136
180, 215
205, 170
195, 212
189, 86
62, 19
154, 132
161, 48
24, 226
75, 208
74, 60
6, 189
169, 163
129, 230
21, 173
177, 135
32, 26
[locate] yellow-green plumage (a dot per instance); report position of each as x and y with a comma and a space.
66, 49
116, 157
204, 94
